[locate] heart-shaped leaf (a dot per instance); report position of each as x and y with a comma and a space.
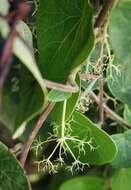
88, 143
65, 36
27, 99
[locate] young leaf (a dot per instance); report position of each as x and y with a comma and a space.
122, 179
119, 30
65, 36
58, 96
84, 183
123, 142
11, 174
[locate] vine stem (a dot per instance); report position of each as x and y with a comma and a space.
97, 5
109, 112
104, 12
101, 107
34, 132
61, 87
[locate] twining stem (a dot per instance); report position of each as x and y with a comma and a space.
34, 132
101, 94
97, 5
61, 87
63, 119
104, 12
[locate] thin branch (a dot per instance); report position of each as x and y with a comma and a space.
101, 107
34, 132
88, 76
109, 112
104, 12
97, 5
61, 87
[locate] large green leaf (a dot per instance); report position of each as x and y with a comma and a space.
27, 99
32, 90
122, 179
84, 183
65, 36
12, 176
120, 30
22, 97
81, 129
70, 106
123, 158
120, 83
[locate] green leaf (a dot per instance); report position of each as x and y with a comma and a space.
4, 7
31, 98
122, 179
22, 98
120, 83
8, 110
70, 107
123, 142
83, 129
58, 96
120, 30
11, 174
127, 114
84, 183
32, 90
27, 100
22, 51
65, 36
